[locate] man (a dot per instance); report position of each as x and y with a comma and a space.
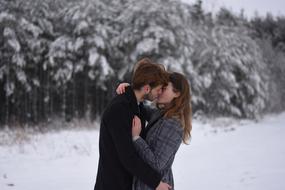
118, 161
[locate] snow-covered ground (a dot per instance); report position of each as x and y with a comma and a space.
224, 154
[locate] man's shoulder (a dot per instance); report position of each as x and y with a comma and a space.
119, 102
118, 109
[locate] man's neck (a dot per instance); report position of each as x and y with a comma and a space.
139, 95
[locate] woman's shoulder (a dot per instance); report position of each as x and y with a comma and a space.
172, 122
171, 128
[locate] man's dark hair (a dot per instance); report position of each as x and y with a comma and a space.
147, 72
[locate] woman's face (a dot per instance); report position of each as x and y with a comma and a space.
167, 94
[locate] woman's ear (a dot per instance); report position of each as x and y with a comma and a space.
177, 94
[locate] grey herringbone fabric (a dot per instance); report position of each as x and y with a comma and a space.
158, 150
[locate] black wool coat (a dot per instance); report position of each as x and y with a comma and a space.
118, 159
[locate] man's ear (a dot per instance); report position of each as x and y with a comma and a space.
146, 89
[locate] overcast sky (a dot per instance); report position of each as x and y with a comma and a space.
275, 7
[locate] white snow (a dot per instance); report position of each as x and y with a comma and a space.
224, 154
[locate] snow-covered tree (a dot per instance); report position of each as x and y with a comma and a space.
229, 75
157, 29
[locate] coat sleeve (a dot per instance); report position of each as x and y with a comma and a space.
167, 144
119, 126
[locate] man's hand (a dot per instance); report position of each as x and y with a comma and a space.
163, 186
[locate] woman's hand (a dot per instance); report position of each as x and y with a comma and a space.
163, 186
122, 87
137, 126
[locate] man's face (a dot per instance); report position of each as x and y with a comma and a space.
154, 93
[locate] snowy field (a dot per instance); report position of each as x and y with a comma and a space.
224, 154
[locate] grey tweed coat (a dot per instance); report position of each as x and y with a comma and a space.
162, 141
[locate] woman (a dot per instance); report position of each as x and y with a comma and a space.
167, 128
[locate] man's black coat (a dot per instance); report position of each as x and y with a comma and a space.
118, 161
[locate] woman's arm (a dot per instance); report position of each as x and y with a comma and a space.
118, 126
166, 146
121, 89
